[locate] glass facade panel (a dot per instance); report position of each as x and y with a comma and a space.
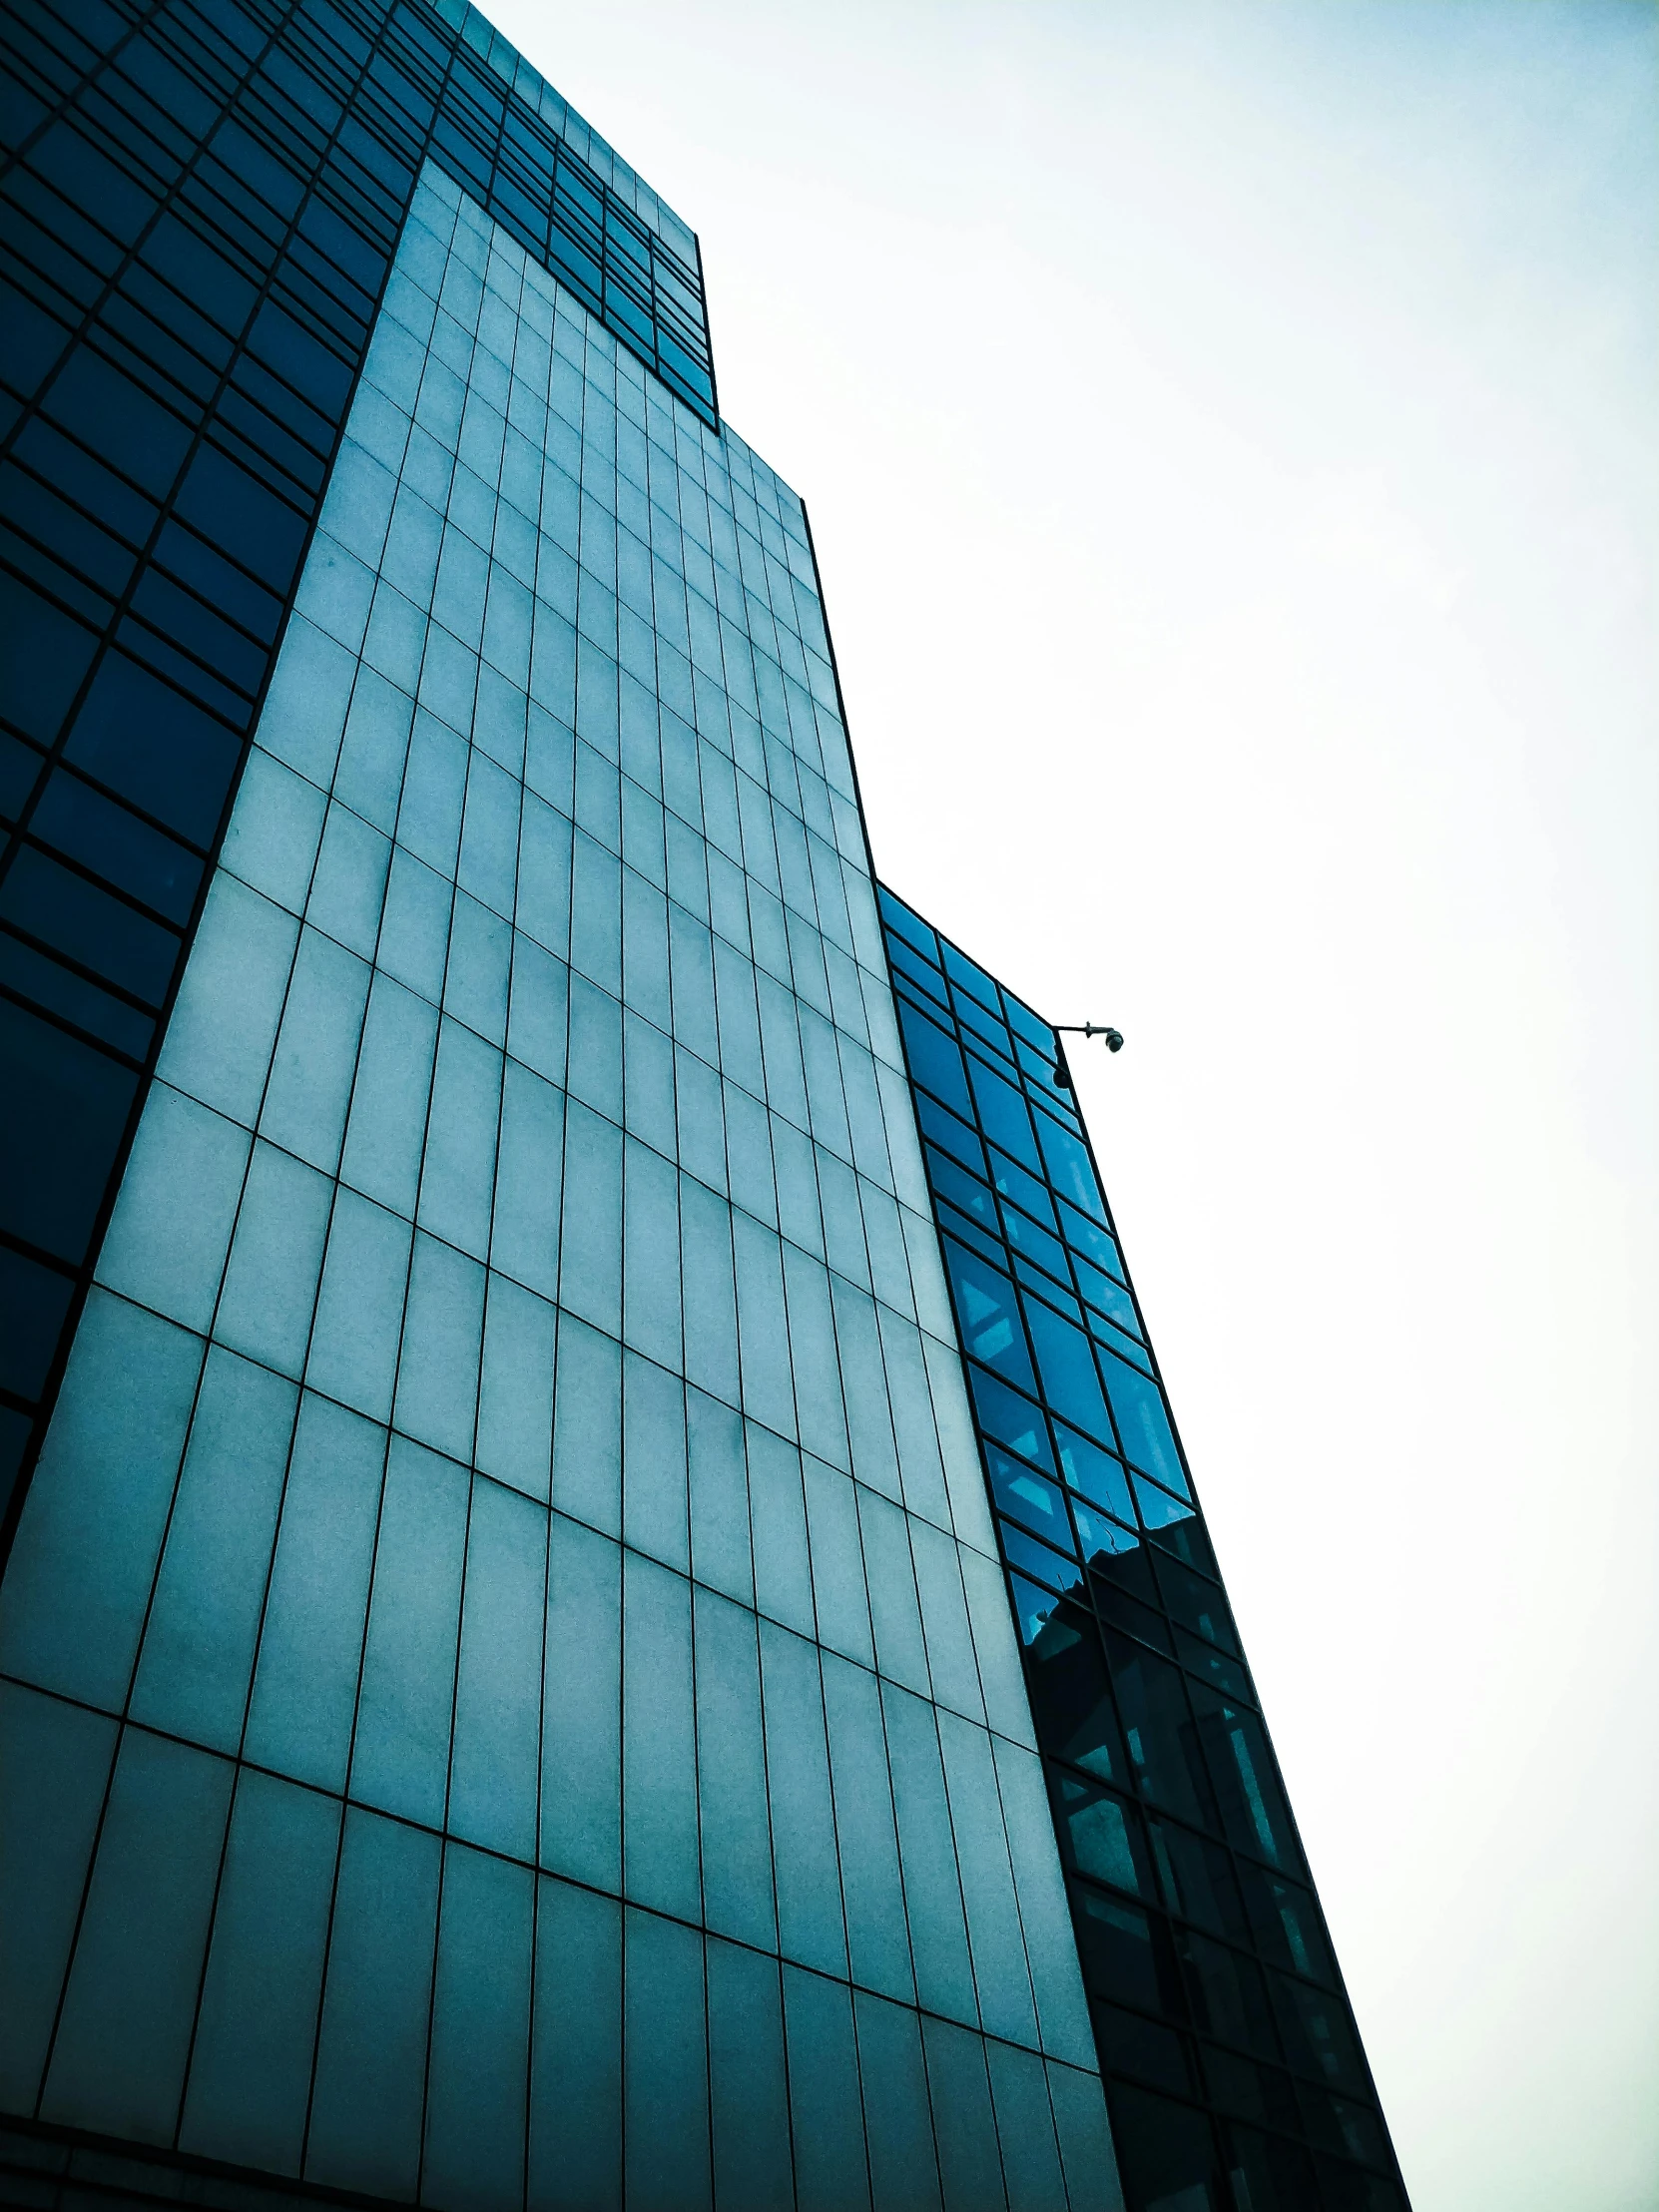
506, 1609
202, 209
544, 1322
1165, 1793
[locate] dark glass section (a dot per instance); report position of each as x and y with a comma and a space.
66, 2170
1233, 2066
198, 204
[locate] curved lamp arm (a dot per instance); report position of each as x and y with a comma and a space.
1113, 1037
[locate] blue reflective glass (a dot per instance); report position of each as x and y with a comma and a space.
984, 1031
1107, 1334
990, 1315
1029, 1027
974, 980
1028, 1496
909, 926
1069, 1167
1143, 1422
918, 975
1189, 1742
1043, 1286
1246, 1783
1099, 1536
1105, 1840
1107, 1294
1024, 1189
1159, 1512
1163, 1744
1098, 1474
1071, 1381
1036, 1559
936, 1059
947, 1181
1005, 1415
1089, 1239
1003, 1114
1037, 1246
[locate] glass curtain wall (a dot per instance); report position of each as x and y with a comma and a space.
508, 1697
198, 206
1235, 2071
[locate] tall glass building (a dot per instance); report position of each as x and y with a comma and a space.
601, 1605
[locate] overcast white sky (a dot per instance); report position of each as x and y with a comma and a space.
1231, 439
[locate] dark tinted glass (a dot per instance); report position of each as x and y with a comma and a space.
1206, 1961
200, 209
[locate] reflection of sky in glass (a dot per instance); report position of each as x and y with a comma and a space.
1139, 1699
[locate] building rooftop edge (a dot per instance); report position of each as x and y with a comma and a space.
497, 50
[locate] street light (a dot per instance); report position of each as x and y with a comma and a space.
1114, 1043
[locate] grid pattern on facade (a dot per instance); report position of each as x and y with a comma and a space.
509, 1696
1235, 2071
534, 166
580, 135
196, 224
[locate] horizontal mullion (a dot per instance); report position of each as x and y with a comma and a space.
57, 1019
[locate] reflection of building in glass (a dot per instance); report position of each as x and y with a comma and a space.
508, 1696
1234, 2072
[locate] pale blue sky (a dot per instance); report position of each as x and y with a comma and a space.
1232, 438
